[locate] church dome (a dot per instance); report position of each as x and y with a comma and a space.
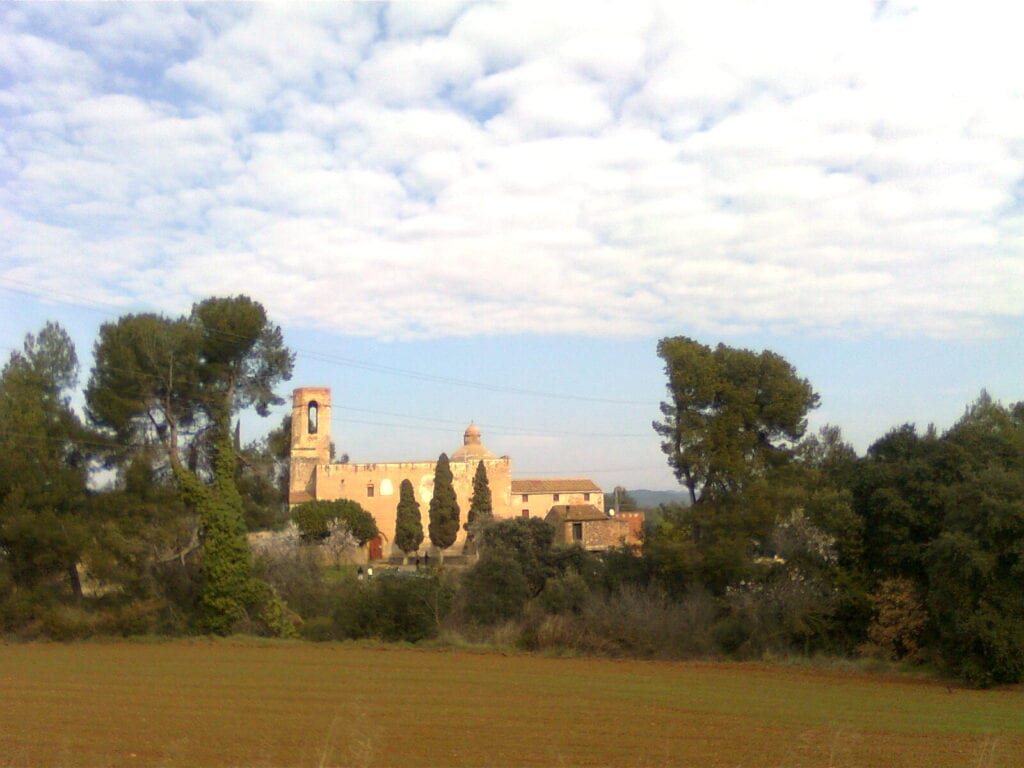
472, 448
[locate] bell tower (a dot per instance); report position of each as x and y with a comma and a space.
311, 440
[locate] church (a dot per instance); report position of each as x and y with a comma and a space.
376, 486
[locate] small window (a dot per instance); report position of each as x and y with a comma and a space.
577, 531
586, 497
313, 412
526, 497
554, 497
526, 513
369, 490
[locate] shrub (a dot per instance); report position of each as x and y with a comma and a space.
899, 620
391, 607
494, 589
567, 593
646, 622
298, 578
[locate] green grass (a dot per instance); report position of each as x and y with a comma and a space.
242, 702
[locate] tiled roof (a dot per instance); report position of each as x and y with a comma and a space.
557, 485
577, 513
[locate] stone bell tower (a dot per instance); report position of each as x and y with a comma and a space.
311, 440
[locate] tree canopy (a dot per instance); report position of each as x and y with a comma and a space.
317, 520
42, 465
165, 380
733, 414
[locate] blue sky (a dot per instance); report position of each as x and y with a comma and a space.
493, 211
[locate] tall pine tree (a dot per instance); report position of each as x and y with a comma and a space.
408, 525
444, 508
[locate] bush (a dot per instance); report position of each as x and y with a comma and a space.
494, 589
640, 622
390, 607
899, 620
567, 593
318, 629
646, 622
411, 608
298, 579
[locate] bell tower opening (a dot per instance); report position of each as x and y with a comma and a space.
311, 440
313, 412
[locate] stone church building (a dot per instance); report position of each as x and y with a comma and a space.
376, 486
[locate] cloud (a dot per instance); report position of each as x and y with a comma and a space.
448, 170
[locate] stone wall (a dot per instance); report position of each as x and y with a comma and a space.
376, 488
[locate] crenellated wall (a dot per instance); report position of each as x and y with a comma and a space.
376, 486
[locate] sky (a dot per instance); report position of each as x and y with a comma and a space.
491, 212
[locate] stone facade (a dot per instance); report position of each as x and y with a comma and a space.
594, 529
376, 486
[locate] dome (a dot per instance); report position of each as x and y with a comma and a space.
472, 448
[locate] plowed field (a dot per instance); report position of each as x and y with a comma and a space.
229, 703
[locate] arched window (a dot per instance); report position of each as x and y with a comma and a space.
314, 417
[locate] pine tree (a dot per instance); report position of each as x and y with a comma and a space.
444, 508
480, 507
408, 525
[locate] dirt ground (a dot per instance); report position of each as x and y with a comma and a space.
251, 703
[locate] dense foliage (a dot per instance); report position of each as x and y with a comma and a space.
733, 415
165, 382
317, 520
790, 542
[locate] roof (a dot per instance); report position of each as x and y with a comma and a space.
577, 513
471, 448
556, 485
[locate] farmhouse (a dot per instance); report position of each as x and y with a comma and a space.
592, 528
536, 497
376, 486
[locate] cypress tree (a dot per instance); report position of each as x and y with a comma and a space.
480, 506
408, 525
444, 508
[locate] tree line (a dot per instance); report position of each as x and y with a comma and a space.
790, 543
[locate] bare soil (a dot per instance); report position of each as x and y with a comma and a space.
252, 703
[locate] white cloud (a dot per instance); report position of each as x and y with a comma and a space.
417, 169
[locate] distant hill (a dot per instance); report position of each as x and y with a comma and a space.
651, 499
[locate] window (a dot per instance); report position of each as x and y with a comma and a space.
369, 490
554, 497
577, 531
586, 497
313, 412
526, 497
526, 513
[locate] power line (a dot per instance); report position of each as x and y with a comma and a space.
347, 362
496, 428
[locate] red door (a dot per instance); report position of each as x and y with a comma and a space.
376, 548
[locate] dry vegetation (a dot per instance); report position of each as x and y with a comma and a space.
235, 702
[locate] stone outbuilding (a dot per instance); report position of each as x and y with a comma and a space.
592, 528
